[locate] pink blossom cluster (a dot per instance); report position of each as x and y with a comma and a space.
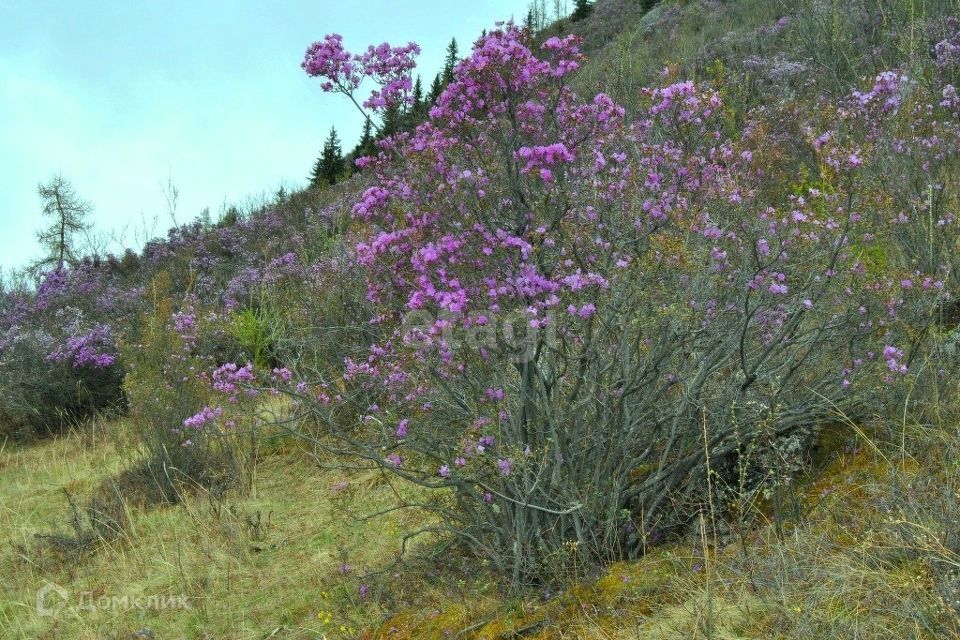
329, 60
894, 359
543, 158
229, 379
503, 64
205, 417
886, 92
683, 103
343, 72
391, 68
94, 348
947, 50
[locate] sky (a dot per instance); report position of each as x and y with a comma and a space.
122, 98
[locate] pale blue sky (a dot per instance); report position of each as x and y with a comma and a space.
119, 95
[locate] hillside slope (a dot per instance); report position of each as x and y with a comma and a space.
246, 487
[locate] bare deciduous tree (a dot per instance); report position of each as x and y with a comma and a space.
171, 194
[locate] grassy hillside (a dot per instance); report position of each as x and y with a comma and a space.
277, 558
856, 555
256, 478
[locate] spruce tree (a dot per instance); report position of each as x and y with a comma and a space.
445, 77
436, 88
419, 106
366, 139
582, 9
329, 166
392, 120
316, 173
365, 147
453, 56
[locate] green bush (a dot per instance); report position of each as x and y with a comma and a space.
40, 397
164, 390
256, 332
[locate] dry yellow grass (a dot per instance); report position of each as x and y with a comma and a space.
248, 565
268, 564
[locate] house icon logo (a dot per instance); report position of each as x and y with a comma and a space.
51, 599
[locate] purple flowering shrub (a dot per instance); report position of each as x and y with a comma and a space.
264, 262
551, 308
325, 316
169, 387
576, 307
389, 67
59, 364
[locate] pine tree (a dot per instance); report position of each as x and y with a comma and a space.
329, 166
453, 56
366, 139
436, 88
392, 120
316, 173
419, 106
332, 157
445, 77
582, 9
69, 213
365, 147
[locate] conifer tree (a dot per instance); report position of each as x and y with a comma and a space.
365, 147
445, 76
366, 139
329, 166
582, 9
450, 62
419, 105
436, 88
392, 120
69, 213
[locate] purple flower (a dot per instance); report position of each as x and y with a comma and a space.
395, 460
892, 355
283, 375
587, 310
94, 348
206, 416
228, 378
